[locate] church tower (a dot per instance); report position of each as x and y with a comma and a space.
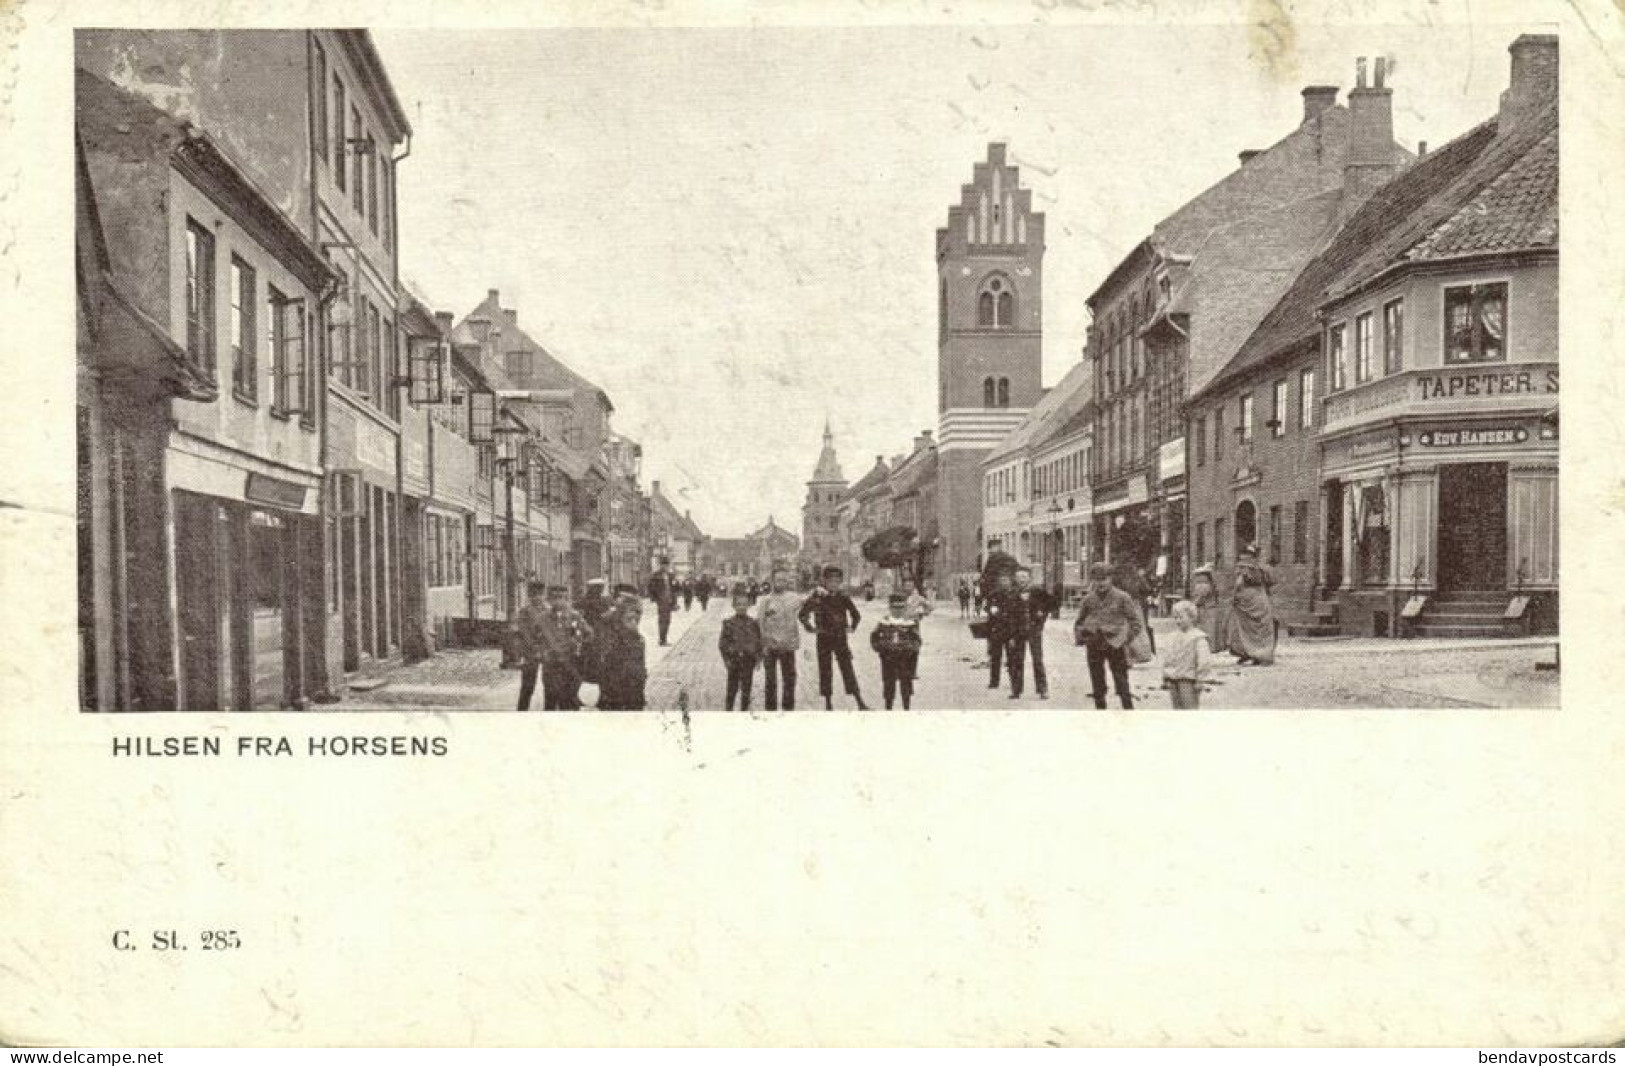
820, 529
990, 304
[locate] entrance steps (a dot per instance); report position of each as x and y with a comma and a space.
1324, 624
1466, 613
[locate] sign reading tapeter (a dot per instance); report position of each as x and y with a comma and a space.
1466, 438
1505, 383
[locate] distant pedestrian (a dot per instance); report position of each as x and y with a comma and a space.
1025, 610
525, 634
831, 614
1252, 617
741, 648
1107, 620
702, 589
781, 639
998, 627
663, 594
622, 668
1186, 658
978, 597
896, 639
563, 635
964, 598
754, 591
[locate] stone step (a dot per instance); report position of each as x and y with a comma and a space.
1314, 629
1460, 631
1499, 598
1458, 614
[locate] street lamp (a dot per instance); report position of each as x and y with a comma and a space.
511, 452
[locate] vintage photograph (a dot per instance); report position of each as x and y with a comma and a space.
718, 370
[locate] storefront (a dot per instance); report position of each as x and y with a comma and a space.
1456, 506
362, 482
248, 586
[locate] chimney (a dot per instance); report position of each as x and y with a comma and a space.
923, 441
513, 316
1370, 161
995, 153
494, 297
654, 488
443, 320
1534, 79
1317, 98
1421, 149
1249, 154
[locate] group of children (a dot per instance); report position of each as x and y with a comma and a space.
830, 615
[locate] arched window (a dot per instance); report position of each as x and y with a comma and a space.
987, 392
996, 304
1004, 392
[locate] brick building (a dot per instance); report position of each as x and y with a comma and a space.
990, 318
1178, 307
753, 557
1439, 462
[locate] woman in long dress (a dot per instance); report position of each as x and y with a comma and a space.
1252, 618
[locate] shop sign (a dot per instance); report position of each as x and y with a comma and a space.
1471, 438
1491, 383
1361, 449
1171, 459
275, 492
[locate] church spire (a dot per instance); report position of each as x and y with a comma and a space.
828, 470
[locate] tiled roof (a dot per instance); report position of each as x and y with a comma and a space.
1516, 211
917, 471
877, 475
1480, 192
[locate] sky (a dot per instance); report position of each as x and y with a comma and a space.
733, 230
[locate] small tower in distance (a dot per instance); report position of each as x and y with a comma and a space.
820, 525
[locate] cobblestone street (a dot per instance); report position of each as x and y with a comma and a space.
1337, 673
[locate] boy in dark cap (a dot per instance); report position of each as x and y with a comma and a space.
741, 648
896, 639
830, 614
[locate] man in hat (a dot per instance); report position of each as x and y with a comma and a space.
525, 633
830, 614
562, 634
1107, 621
663, 594
622, 672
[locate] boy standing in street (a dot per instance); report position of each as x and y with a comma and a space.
1025, 610
1185, 658
525, 631
741, 648
896, 639
781, 639
564, 635
831, 614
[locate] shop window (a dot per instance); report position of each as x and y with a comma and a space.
265, 548
1300, 531
1393, 336
1371, 518
244, 354
1475, 323
1362, 348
